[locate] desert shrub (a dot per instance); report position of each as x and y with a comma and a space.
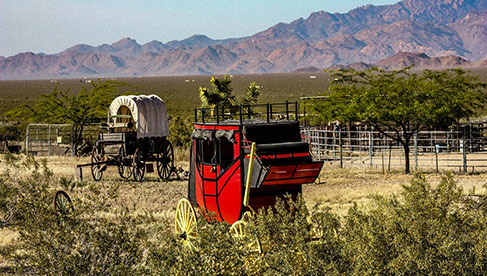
180, 132
284, 233
13, 131
19, 193
84, 242
425, 230
216, 253
291, 244
430, 231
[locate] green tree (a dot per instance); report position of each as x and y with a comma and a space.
253, 92
180, 129
221, 93
85, 107
399, 103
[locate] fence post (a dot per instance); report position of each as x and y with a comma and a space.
464, 146
340, 144
27, 140
49, 141
371, 146
416, 151
390, 153
318, 139
382, 153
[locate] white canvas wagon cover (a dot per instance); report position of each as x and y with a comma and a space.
148, 113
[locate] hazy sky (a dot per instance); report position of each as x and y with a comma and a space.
51, 26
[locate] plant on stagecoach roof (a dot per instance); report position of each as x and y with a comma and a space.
399, 103
87, 106
221, 94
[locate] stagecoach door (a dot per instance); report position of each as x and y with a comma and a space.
217, 176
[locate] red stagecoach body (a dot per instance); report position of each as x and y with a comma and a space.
220, 159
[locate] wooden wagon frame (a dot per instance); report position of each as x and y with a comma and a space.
136, 138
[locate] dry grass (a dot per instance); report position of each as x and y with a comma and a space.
341, 188
336, 188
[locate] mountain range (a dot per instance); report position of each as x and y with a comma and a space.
454, 29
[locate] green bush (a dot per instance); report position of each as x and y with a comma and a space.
180, 132
431, 231
423, 231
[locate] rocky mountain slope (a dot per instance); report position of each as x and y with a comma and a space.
419, 61
365, 35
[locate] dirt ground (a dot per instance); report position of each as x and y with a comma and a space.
337, 188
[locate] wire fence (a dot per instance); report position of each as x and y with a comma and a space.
56, 139
448, 150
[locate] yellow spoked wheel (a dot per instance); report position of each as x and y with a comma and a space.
317, 229
239, 231
247, 216
185, 225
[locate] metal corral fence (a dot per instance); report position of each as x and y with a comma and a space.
448, 150
56, 139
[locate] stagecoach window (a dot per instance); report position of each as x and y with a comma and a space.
226, 153
206, 150
215, 151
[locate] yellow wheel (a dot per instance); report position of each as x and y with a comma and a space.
239, 232
185, 223
247, 216
317, 228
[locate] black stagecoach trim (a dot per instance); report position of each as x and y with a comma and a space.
239, 113
226, 182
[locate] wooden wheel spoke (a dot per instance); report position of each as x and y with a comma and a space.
165, 160
185, 225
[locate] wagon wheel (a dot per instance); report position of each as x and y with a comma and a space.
239, 231
62, 203
124, 170
317, 231
138, 166
96, 169
165, 160
185, 223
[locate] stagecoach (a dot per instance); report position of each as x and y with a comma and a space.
242, 159
136, 138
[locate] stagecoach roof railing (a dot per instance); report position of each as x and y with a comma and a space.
240, 113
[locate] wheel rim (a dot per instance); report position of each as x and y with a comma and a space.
124, 170
185, 223
165, 160
138, 171
239, 232
138, 166
317, 228
62, 203
96, 171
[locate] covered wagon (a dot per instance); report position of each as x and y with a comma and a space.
136, 138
